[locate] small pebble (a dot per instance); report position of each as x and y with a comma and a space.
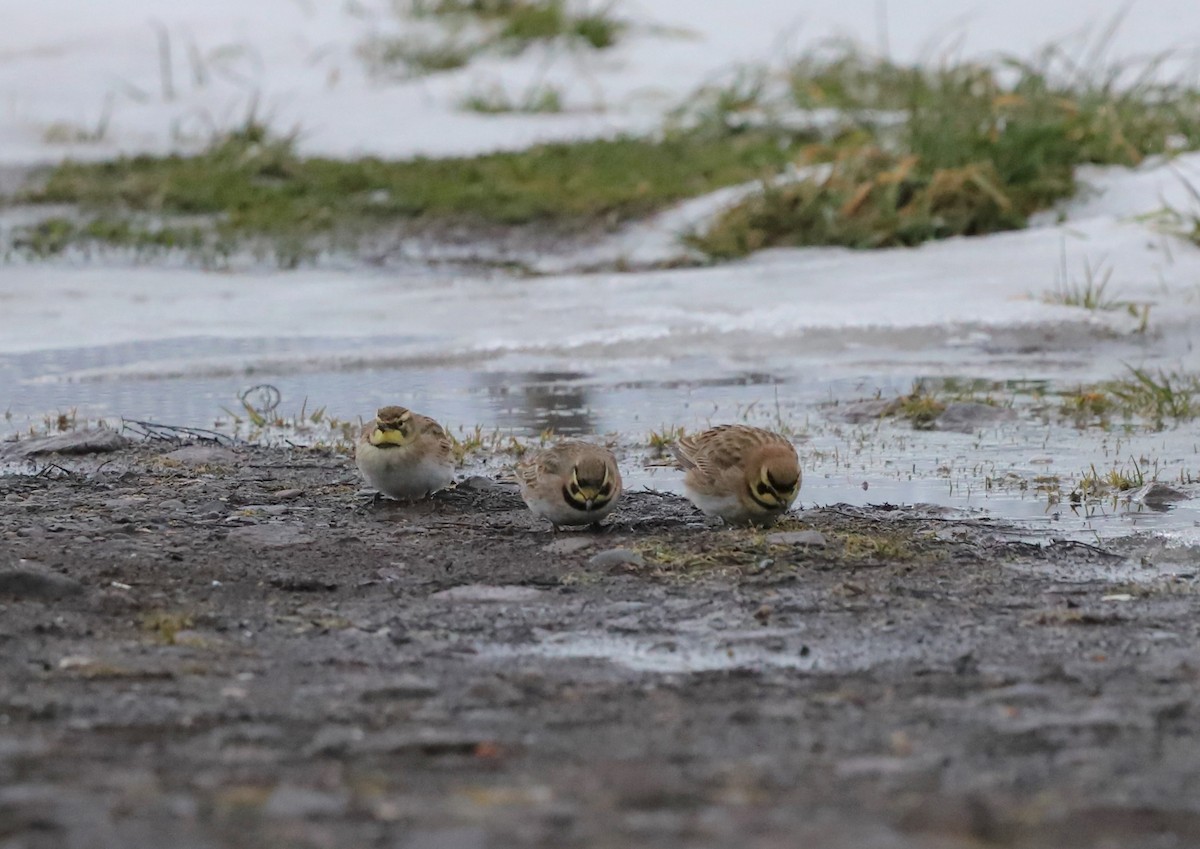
569, 545
478, 482
797, 538
28, 580
617, 557
488, 593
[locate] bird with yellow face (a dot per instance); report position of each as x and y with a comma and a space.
404, 455
571, 483
742, 474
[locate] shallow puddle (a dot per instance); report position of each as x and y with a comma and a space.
1022, 470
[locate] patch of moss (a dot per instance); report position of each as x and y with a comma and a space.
165, 626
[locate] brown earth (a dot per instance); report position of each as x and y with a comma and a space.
234, 648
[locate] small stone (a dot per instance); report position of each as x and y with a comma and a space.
288, 494
95, 441
864, 411
334, 740
570, 545
270, 535
170, 504
29, 580
289, 801
268, 509
466, 837
478, 482
1157, 495
211, 509
966, 416
488, 593
797, 538
76, 661
617, 557
400, 687
201, 455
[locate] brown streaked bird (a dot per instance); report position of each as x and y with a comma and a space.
571, 483
743, 474
404, 455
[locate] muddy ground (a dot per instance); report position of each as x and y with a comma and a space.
206, 647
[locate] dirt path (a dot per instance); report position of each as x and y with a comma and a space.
204, 648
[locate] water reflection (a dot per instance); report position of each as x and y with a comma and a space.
538, 401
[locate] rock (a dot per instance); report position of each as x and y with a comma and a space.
864, 411
488, 593
966, 416
170, 504
201, 455
32, 581
270, 535
211, 509
334, 740
570, 545
478, 482
797, 538
28, 806
94, 441
617, 557
466, 837
1158, 496
289, 801
268, 509
288, 494
400, 687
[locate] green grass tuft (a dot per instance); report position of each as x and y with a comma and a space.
538, 100
960, 149
465, 29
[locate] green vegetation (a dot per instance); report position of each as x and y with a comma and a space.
539, 99
54, 235
468, 28
927, 153
516, 24
1154, 397
1092, 293
251, 186
662, 439
1119, 479
928, 399
1158, 396
888, 155
413, 56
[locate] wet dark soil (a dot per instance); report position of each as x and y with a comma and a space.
211, 647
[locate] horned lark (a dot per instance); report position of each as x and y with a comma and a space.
745, 475
403, 454
572, 483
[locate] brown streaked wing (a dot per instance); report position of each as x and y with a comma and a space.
724, 446
428, 427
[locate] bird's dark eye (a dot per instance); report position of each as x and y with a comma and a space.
606, 490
